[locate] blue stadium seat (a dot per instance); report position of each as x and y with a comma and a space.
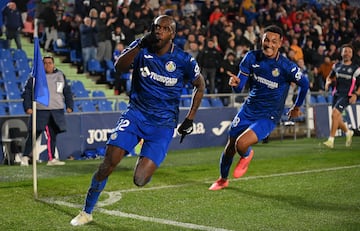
6, 64
3, 108
60, 50
186, 102
321, 99
216, 102
205, 103
105, 105
16, 108
122, 106
75, 57
94, 67
5, 53
87, 106
20, 54
98, 93
313, 99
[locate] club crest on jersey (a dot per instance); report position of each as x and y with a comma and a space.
275, 72
113, 136
170, 66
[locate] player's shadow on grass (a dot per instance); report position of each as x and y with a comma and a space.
299, 202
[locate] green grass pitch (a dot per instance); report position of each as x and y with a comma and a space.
290, 185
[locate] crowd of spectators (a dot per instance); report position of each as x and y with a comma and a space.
217, 33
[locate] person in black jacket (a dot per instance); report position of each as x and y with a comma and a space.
51, 118
209, 59
13, 23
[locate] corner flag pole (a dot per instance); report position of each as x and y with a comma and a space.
34, 149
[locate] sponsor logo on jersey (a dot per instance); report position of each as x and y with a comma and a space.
255, 65
170, 66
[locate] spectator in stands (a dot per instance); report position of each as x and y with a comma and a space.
325, 67
269, 75
51, 118
209, 59
21, 5
206, 9
316, 81
128, 29
153, 110
103, 37
117, 36
64, 29
228, 65
88, 41
344, 78
297, 50
122, 81
49, 19
13, 24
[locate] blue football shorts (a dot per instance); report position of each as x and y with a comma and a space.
340, 102
261, 127
130, 129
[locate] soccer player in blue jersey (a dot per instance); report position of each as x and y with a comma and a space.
344, 79
160, 70
269, 75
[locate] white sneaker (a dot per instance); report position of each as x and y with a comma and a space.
24, 161
349, 138
81, 219
54, 162
329, 144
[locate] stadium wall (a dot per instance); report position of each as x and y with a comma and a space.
90, 131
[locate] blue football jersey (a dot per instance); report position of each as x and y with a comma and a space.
269, 81
157, 84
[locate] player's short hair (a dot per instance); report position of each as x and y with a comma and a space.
169, 19
274, 29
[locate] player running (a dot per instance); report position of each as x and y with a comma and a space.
269, 75
160, 70
343, 78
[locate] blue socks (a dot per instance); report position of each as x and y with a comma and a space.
247, 153
93, 194
225, 164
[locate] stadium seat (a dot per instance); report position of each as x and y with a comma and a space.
5, 53
4, 44
186, 102
216, 102
98, 93
19, 54
6, 64
94, 67
3, 108
87, 106
122, 106
60, 50
313, 99
16, 108
321, 99
205, 103
105, 105
75, 57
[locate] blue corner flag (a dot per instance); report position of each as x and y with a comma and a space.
41, 90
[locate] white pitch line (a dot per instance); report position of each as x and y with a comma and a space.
117, 196
248, 178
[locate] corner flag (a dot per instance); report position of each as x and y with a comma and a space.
41, 90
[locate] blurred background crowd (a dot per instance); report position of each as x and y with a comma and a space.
217, 33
